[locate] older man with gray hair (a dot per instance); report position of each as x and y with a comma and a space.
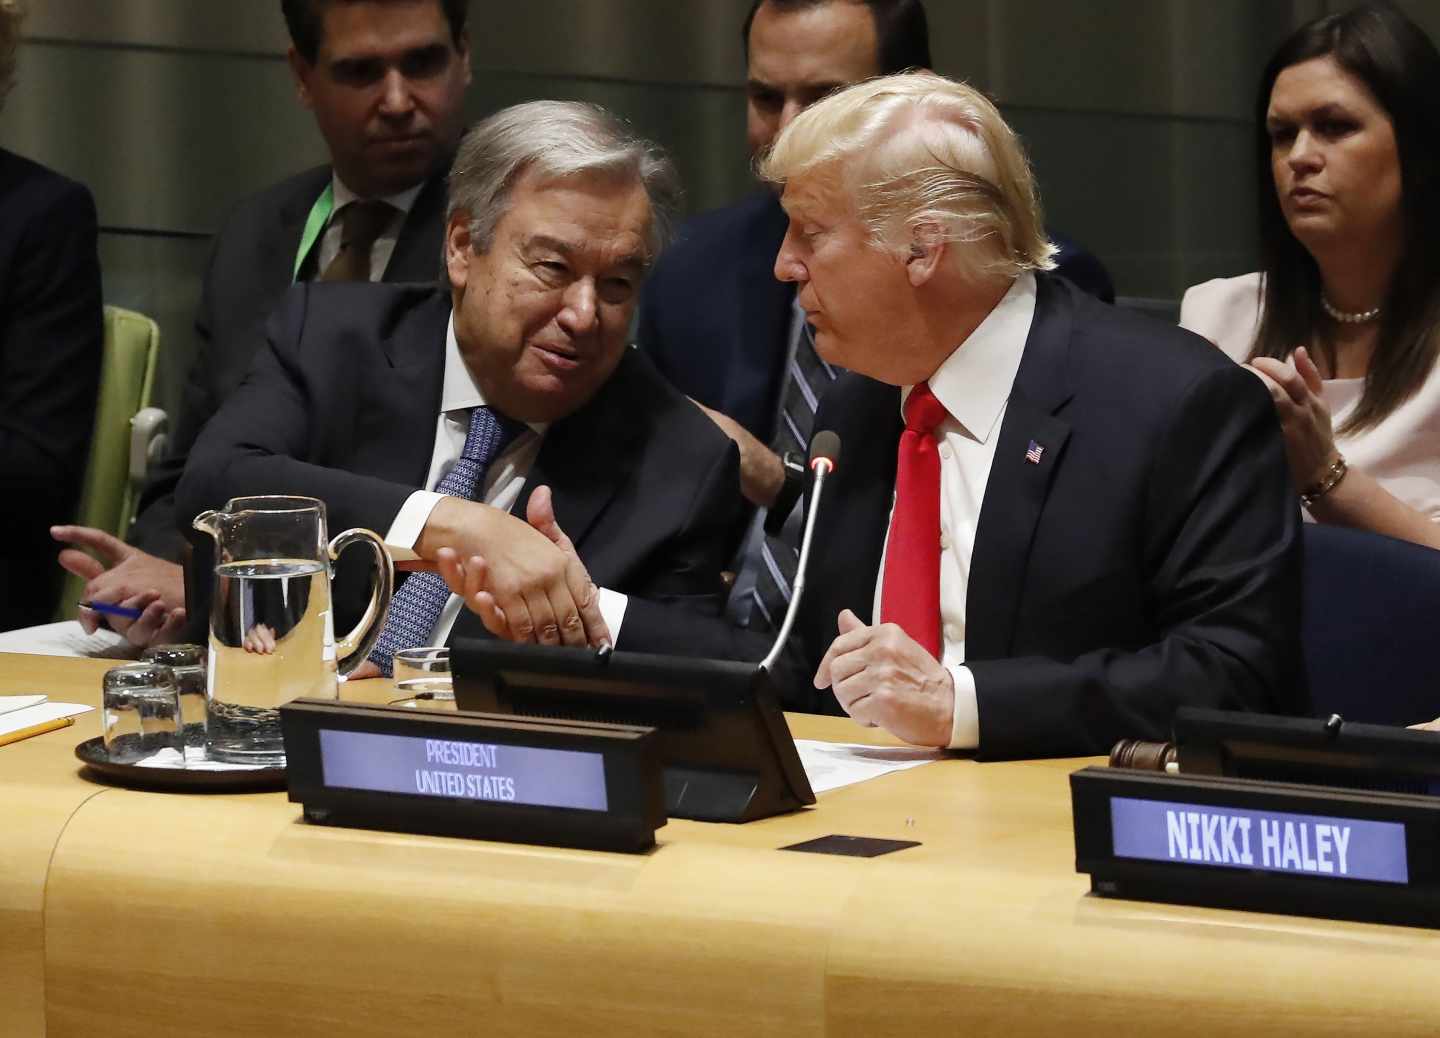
485, 419
1054, 521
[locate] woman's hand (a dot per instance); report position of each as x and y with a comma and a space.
1294, 386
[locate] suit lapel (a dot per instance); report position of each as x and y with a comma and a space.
278, 259
1019, 484
850, 529
415, 348
417, 250
587, 456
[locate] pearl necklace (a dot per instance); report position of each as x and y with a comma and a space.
1345, 317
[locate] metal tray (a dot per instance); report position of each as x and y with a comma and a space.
93, 755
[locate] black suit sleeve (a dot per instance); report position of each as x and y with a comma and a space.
1219, 536
252, 444
698, 551
50, 356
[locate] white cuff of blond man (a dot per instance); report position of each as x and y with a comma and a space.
965, 723
410, 521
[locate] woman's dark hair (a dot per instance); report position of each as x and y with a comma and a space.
1400, 66
902, 33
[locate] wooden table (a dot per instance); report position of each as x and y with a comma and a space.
128, 913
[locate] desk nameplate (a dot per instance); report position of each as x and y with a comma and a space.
1266, 846
470, 774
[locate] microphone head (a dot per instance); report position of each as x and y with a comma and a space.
825, 445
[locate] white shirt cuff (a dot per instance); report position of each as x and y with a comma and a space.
965, 725
612, 609
411, 518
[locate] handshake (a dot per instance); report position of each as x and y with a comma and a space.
523, 578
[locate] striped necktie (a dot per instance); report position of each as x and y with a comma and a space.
806, 378
416, 607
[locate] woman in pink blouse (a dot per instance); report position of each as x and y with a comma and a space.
1343, 323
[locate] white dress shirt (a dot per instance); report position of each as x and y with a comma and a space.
504, 479
974, 384
384, 245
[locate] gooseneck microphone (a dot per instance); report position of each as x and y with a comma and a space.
824, 452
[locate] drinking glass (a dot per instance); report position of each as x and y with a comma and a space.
187, 663
424, 673
140, 711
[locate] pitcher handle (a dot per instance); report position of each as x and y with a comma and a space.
353, 649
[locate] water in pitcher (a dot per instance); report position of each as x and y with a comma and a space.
271, 641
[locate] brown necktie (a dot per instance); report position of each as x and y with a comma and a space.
360, 224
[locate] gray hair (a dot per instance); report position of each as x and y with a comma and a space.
556, 139
11, 12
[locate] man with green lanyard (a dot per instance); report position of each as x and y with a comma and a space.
386, 80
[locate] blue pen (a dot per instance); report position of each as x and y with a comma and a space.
106, 609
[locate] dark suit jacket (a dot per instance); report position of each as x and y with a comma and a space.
251, 265
51, 346
716, 322
342, 406
1151, 559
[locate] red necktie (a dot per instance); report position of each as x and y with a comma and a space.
911, 593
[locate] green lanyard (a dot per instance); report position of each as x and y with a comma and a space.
314, 224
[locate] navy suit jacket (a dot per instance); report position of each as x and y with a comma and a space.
51, 344
716, 322
251, 265
342, 404
1150, 560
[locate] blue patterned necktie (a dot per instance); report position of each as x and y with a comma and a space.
807, 376
416, 607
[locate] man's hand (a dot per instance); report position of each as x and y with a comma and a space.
761, 473
882, 677
1428, 726
125, 576
525, 582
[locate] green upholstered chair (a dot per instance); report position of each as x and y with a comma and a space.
128, 433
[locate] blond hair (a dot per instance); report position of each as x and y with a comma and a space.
11, 11
924, 159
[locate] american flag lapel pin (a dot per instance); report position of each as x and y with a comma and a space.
1033, 453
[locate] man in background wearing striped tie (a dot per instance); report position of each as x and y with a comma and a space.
721, 327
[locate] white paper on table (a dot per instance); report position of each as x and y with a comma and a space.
67, 638
830, 765
28, 717
8, 703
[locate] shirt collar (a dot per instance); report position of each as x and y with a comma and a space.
974, 382
459, 391
343, 196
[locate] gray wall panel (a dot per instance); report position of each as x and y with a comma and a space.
657, 41
1111, 183
166, 140
1136, 112
220, 25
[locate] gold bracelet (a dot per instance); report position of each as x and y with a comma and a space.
1333, 475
